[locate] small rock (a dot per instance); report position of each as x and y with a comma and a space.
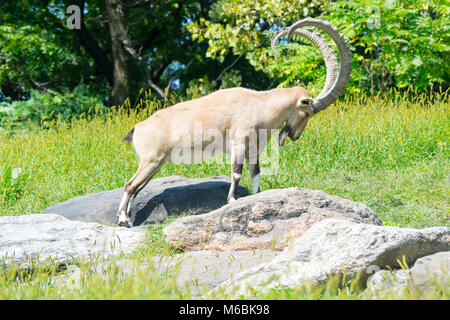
425, 273
387, 280
430, 269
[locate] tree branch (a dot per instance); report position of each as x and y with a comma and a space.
150, 40
169, 84
153, 85
227, 68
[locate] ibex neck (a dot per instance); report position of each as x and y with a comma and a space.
280, 105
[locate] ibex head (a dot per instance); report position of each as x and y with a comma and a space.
336, 77
297, 121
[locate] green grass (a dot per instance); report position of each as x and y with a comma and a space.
391, 154
140, 278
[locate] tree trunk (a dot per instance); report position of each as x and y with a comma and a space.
122, 66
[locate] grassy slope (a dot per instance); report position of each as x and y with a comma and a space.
391, 155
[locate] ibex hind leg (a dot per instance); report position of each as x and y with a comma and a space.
146, 170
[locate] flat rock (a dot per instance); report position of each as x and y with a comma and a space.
160, 198
266, 220
39, 238
207, 269
197, 271
334, 246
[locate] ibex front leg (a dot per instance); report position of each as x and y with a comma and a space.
255, 174
255, 146
237, 161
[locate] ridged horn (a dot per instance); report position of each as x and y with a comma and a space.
330, 96
325, 48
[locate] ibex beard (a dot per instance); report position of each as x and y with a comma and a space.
236, 121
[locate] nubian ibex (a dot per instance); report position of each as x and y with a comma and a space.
233, 115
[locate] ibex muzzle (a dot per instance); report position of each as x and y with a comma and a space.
234, 115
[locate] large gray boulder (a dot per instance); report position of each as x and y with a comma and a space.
41, 238
266, 220
333, 246
161, 197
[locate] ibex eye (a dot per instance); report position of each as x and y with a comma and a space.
306, 102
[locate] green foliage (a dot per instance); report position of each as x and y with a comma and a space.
38, 51
394, 43
31, 55
214, 44
241, 29
45, 107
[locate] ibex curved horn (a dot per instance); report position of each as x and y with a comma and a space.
336, 78
331, 62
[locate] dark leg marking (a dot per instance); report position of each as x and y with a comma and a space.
255, 174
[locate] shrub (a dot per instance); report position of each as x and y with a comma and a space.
45, 107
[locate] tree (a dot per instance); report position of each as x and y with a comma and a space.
123, 46
126, 45
120, 48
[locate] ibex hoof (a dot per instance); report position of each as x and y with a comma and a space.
125, 222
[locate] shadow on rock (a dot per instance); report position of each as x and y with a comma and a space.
160, 198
